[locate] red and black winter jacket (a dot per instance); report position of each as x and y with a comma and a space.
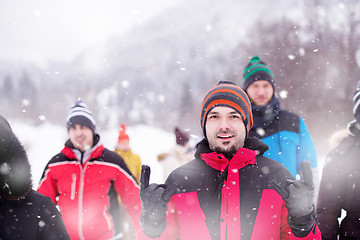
221, 199
80, 187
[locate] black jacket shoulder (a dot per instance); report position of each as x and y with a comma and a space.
263, 172
347, 150
113, 157
289, 121
285, 121
32, 217
346, 145
194, 176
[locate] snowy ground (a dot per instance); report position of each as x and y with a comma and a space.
44, 141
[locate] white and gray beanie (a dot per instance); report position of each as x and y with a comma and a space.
356, 98
80, 114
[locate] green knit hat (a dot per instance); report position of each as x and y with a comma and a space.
257, 70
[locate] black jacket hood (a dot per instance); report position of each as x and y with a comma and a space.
15, 175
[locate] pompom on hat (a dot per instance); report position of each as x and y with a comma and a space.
257, 70
122, 134
80, 114
228, 94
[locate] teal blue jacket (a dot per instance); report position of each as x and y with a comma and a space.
289, 141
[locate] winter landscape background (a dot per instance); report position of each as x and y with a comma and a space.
153, 66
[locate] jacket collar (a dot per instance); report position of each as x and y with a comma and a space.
243, 156
92, 153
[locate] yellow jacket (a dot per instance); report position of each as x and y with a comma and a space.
132, 161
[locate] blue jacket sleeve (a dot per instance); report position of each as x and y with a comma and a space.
306, 150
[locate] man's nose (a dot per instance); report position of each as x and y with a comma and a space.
78, 131
224, 123
261, 91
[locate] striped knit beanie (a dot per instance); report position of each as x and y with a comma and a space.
257, 70
356, 98
80, 114
227, 94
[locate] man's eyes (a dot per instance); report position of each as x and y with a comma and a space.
216, 116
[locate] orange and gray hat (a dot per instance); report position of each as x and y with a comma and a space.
228, 94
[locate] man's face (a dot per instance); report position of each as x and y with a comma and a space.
225, 131
124, 145
260, 92
81, 137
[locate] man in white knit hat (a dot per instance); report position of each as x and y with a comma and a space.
81, 178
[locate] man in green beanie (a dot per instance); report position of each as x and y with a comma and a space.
284, 132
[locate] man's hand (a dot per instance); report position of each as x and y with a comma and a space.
299, 199
154, 200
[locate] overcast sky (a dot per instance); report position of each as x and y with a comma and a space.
42, 30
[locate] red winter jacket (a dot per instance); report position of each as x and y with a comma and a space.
81, 190
246, 207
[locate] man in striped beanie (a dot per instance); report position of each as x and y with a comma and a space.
354, 125
80, 114
201, 199
85, 180
226, 94
356, 99
257, 70
283, 131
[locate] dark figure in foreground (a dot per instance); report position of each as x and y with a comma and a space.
24, 213
340, 185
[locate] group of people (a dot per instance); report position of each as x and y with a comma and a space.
253, 176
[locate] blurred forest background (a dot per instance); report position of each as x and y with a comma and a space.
157, 73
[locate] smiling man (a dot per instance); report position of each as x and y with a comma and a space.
85, 177
229, 191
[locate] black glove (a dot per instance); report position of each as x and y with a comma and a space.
299, 200
154, 200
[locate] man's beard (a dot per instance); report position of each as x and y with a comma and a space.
229, 153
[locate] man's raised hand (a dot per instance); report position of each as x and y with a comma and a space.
299, 200
154, 198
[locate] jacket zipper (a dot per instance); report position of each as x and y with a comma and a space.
80, 198
107, 217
